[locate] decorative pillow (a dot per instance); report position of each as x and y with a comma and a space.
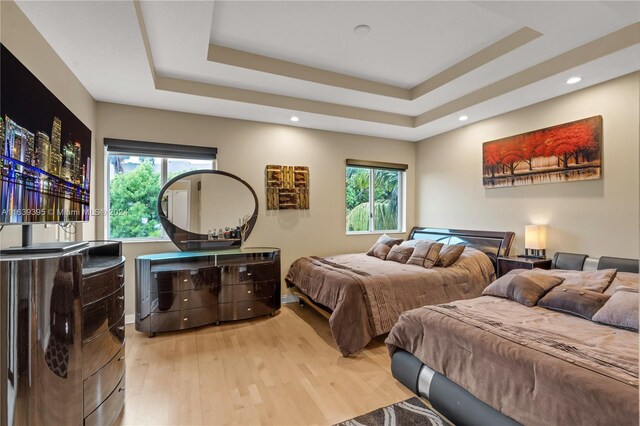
400, 253
409, 243
623, 279
381, 251
573, 300
621, 310
449, 254
383, 240
425, 253
596, 281
523, 286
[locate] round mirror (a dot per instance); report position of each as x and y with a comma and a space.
207, 210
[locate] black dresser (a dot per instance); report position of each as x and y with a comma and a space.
182, 290
63, 327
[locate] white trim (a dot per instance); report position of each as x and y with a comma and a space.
129, 319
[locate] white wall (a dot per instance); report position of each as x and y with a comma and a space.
25, 42
598, 217
245, 148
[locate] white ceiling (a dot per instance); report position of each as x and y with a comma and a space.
409, 42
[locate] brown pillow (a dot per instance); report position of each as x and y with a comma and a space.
383, 240
623, 279
449, 254
425, 253
400, 253
409, 243
596, 281
621, 310
574, 300
380, 251
523, 286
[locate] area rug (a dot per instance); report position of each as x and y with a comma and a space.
404, 413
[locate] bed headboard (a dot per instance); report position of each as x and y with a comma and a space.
492, 243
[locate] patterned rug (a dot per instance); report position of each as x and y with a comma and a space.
404, 413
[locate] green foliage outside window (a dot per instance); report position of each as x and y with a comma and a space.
136, 193
385, 205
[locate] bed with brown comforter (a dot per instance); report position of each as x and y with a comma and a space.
534, 365
367, 295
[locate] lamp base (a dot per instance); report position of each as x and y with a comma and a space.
534, 253
528, 256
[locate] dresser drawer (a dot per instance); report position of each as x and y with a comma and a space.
264, 271
196, 279
186, 318
110, 409
165, 302
246, 309
98, 316
242, 292
97, 286
190, 299
99, 350
98, 386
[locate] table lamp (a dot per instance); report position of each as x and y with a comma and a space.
535, 241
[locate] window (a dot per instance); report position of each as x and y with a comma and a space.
374, 196
136, 171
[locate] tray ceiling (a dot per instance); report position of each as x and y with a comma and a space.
421, 65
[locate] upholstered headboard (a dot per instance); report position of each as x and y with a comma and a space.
492, 243
580, 262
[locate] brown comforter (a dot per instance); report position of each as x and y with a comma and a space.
535, 365
367, 295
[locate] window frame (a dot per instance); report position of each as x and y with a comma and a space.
164, 152
372, 167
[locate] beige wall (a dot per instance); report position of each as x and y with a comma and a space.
244, 149
598, 217
25, 42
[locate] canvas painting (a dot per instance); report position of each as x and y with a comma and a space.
563, 153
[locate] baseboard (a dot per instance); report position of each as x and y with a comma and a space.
290, 298
129, 319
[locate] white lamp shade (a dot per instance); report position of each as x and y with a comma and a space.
535, 237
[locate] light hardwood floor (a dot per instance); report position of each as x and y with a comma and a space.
284, 370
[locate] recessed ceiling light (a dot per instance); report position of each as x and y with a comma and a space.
294, 118
361, 29
463, 118
574, 80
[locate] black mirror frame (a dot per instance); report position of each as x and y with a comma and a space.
180, 237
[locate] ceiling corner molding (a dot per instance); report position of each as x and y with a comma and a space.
603, 46
242, 59
279, 101
490, 53
145, 39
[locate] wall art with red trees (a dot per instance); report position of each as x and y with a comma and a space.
563, 153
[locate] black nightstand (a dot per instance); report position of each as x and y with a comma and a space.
506, 264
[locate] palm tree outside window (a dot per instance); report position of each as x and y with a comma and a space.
374, 197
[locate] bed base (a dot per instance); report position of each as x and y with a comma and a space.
305, 300
451, 400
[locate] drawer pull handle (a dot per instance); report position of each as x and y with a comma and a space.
120, 297
185, 318
248, 274
185, 281
121, 358
120, 390
120, 275
249, 291
121, 328
248, 309
185, 300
